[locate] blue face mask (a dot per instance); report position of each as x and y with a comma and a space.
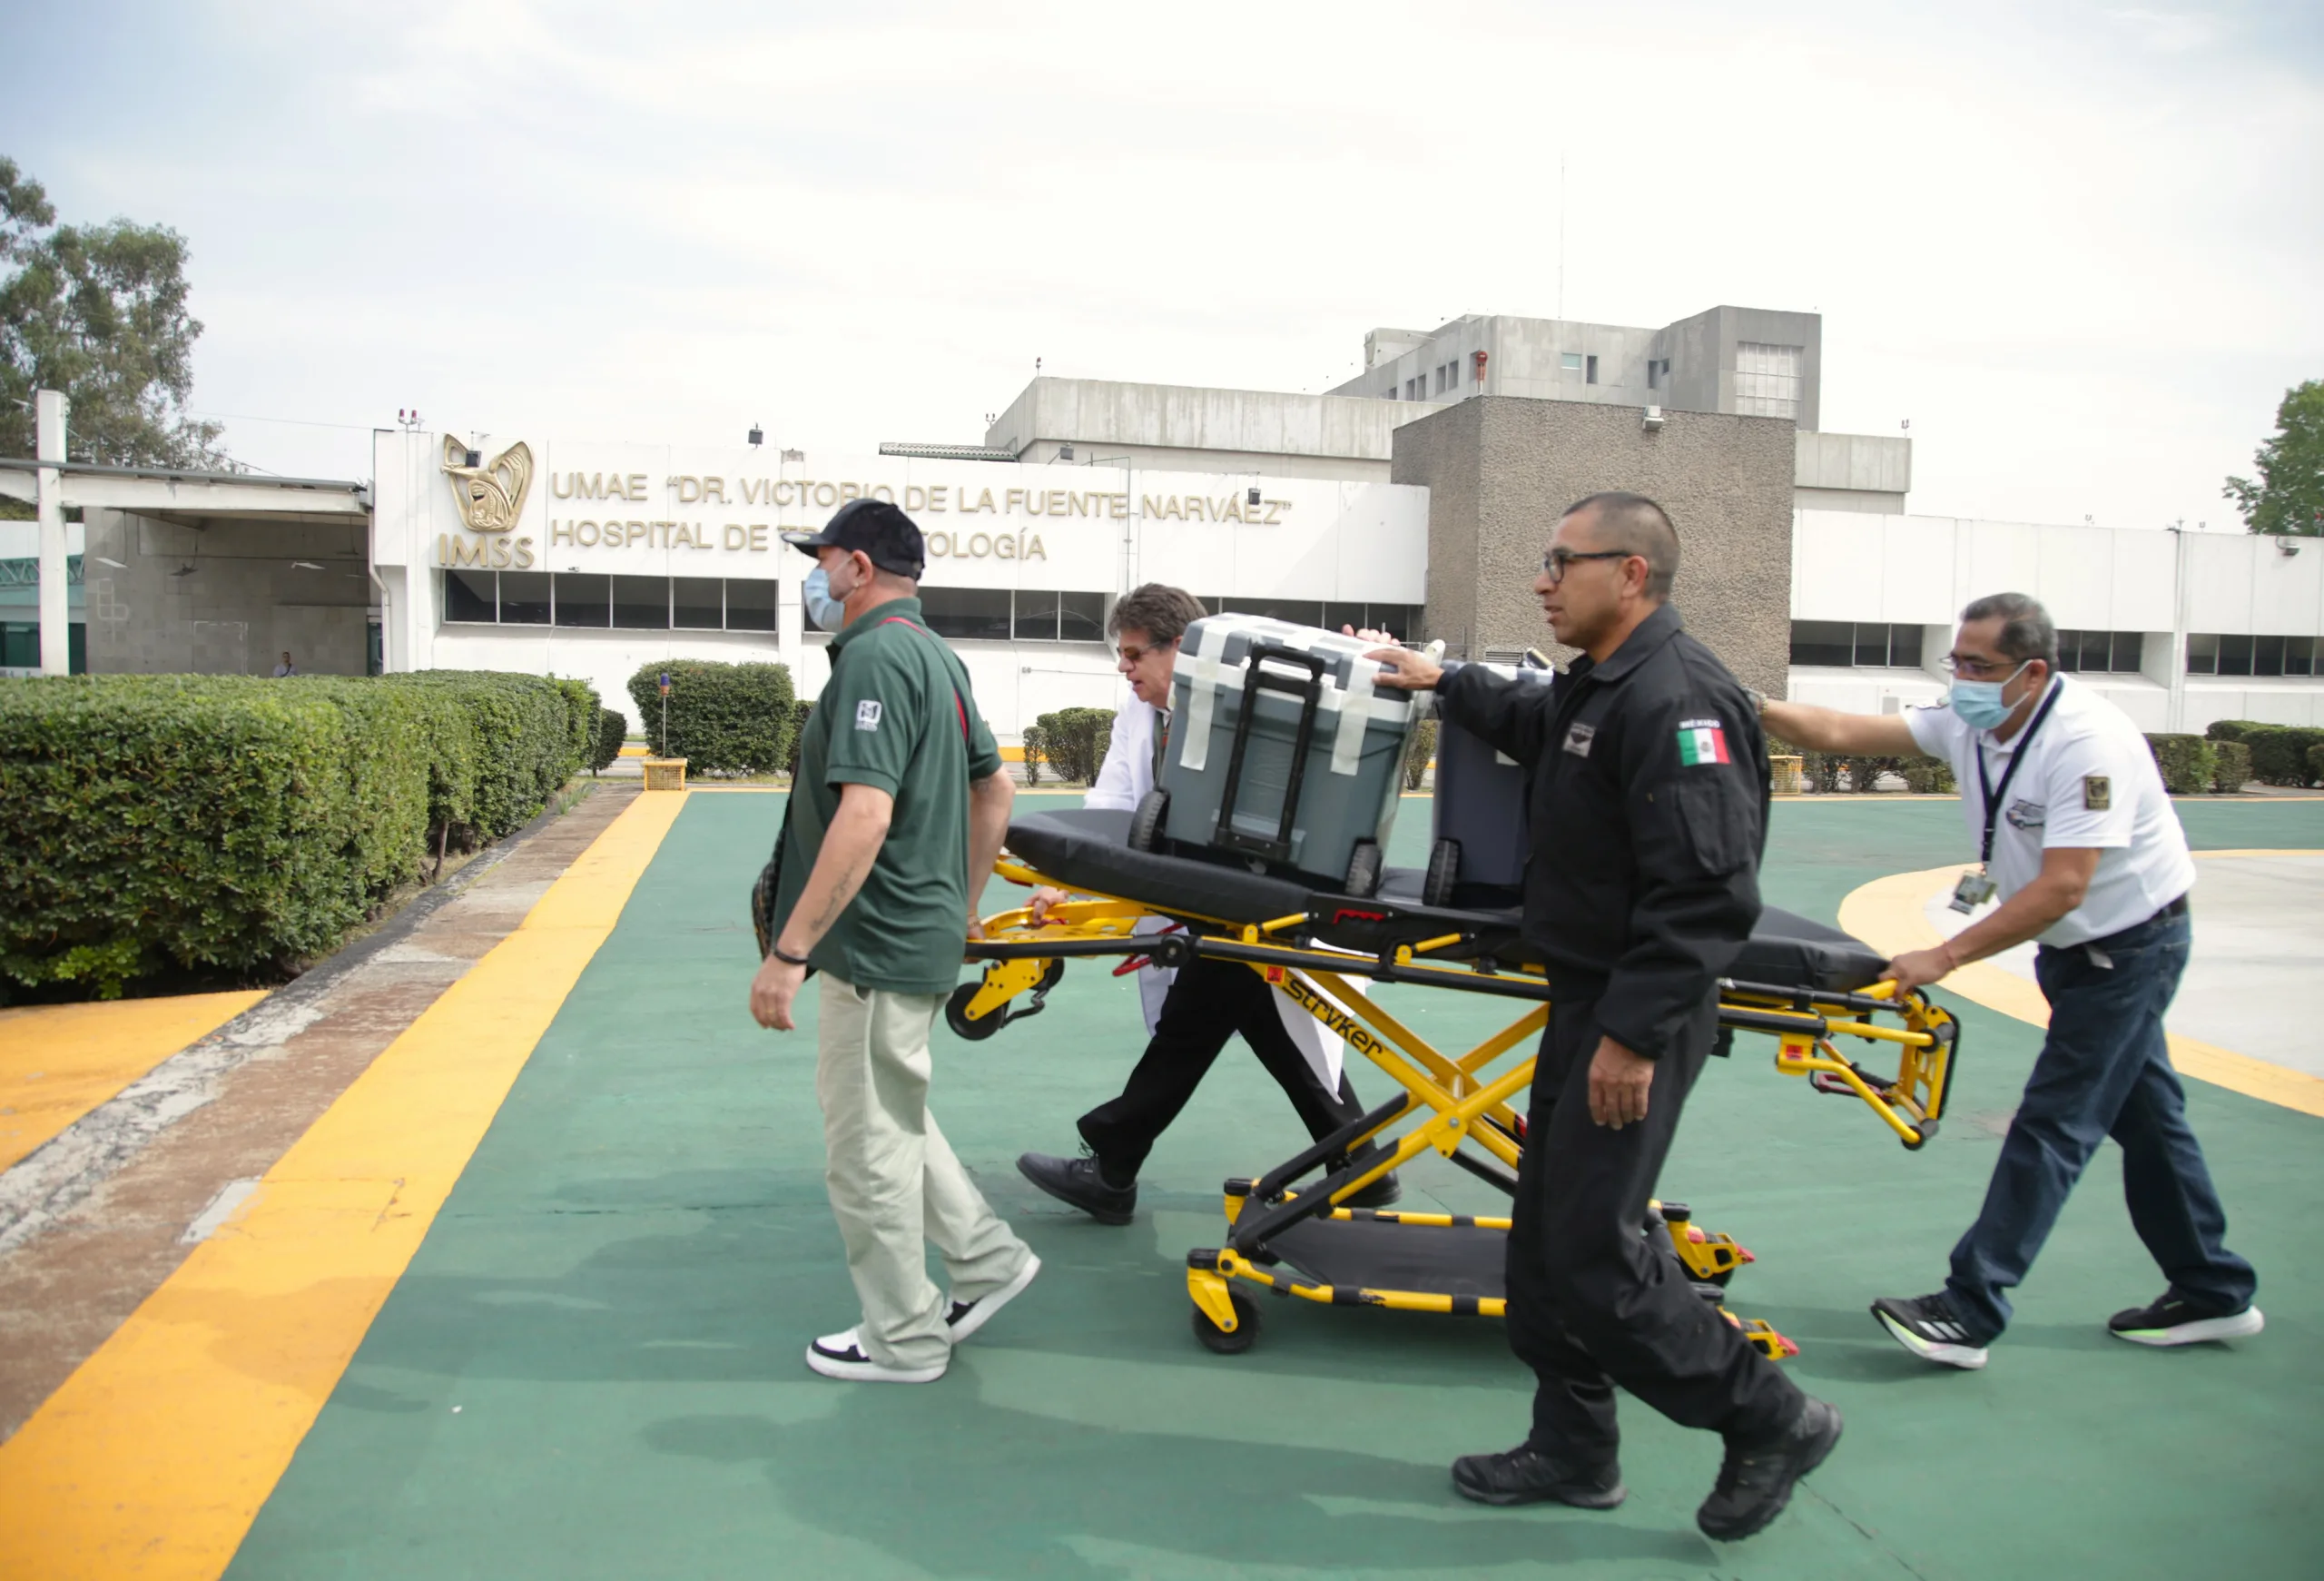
824, 611
1979, 703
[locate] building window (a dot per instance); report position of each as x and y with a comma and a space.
697, 603
2101, 652
751, 606
524, 598
1870, 644
977, 614
1081, 618
1571, 361
641, 603
2221, 654
1767, 379
1590, 375
584, 599
468, 596
607, 603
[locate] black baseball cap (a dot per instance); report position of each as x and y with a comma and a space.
882, 531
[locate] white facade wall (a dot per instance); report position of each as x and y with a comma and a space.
1073, 528
1922, 569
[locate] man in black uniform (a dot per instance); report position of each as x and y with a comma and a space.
1648, 796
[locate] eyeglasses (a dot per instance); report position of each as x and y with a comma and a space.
1974, 668
1129, 654
1554, 563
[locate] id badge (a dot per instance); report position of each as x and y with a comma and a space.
1973, 890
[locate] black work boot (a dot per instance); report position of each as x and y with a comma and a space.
1526, 1476
1081, 1183
1755, 1480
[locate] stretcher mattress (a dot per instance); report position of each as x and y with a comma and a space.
1089, 849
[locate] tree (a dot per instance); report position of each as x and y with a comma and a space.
2288, 498
98, 312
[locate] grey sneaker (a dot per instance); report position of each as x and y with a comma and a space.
1929, 1328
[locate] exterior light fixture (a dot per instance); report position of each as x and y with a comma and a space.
758, 436
1253, 498
1653, 419
1065, 452
795, 455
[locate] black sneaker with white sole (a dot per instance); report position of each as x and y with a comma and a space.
1929, 1328
2175, 1321
843, 1355
965, 1318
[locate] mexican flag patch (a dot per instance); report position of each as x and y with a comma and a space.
1702, 741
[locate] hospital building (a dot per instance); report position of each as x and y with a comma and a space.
1414, 495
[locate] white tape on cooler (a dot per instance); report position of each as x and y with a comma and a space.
1355, 716
1210, 648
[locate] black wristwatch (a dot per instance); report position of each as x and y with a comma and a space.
778, 952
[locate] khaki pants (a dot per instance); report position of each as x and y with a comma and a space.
894, 1182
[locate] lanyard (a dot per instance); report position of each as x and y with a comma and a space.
1994, 797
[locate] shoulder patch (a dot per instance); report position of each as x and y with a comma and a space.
867, 713
2097, 793
1702, 741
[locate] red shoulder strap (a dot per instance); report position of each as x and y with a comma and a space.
959, 708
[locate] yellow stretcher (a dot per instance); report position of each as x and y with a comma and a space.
1799, 983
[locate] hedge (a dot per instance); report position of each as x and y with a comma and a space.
1031, 740
1419, 747
159, 823
722, 718
2189, 763
1820, 773
2280, 753
2316, 762
2234, 765
613, 729
1074, 741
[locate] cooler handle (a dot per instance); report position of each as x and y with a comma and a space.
1309, 689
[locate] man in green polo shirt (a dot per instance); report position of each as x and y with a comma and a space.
895, 816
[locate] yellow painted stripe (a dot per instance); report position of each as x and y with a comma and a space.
1891, 915
152, 1459
58, 1062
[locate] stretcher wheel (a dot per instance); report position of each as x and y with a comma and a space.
1246, 1327
956, 1014
1145, 824
1364, 869
1444, 872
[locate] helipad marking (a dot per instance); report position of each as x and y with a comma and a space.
154, 1457
1890, 914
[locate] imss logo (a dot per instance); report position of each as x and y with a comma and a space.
491, 499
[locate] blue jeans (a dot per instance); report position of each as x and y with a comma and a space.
2105, 1071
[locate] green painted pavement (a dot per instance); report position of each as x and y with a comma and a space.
592, 1367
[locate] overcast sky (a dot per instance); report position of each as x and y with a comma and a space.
2080, 246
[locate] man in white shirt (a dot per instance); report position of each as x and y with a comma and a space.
1192, 1012
2079, 842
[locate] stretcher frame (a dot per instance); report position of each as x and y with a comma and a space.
1468, 1114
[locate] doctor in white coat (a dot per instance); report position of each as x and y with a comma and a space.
1191, 1014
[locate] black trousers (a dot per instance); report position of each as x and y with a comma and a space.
1209, 1001
1590, 1303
